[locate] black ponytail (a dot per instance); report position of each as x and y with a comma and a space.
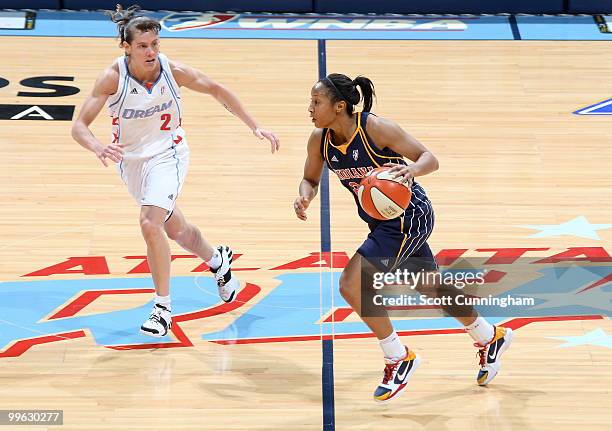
341, 88
129, 19
367, 91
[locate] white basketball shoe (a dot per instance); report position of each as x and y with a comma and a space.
396, 376
159, 322
490, 354
226, 283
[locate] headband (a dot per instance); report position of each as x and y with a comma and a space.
336, 88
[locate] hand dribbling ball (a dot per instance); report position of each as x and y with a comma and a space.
382, 196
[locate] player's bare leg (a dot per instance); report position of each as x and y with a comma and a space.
400, 362
490, 340
158, 250
188, 235
158, 255
218, 259
350, 289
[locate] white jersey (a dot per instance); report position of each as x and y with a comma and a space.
147, 121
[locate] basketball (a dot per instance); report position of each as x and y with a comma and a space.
382, 196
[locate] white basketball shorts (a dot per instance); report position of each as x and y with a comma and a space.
157, 180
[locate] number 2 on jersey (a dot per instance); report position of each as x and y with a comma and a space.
166, 119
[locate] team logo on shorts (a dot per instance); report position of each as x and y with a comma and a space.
189, 21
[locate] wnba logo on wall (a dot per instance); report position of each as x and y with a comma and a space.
604, 22
188, 21
310, 22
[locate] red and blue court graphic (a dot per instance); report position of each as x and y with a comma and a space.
572, 284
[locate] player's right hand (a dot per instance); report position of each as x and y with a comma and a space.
113, 152
300, 205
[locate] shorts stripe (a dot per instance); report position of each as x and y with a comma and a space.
121, 170
419, 237
178, 178
403, 242
429, 216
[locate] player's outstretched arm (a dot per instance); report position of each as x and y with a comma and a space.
313, 168
195, 80
387, 133
105, 85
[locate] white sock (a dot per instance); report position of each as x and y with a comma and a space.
215, 261
481, 331
163, 300
393, 347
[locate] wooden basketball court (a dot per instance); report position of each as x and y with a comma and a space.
496, 113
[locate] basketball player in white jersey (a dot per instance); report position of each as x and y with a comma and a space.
141, 90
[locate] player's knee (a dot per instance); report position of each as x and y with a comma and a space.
348, 288
149, 228
176, 234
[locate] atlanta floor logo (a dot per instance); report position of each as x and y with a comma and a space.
575, 284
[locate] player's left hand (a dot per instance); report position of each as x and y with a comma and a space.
270, 136
404, 172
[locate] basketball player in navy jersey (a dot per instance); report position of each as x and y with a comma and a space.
141, 90
351, 144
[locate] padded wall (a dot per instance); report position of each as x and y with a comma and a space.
198, 5
590, 6
441, 6
30, 4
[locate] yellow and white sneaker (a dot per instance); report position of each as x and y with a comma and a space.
490, 354
396, 375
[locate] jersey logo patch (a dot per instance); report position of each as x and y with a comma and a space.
355, 154
134, 91
334, 159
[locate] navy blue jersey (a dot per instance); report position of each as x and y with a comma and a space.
354, 159
390, 241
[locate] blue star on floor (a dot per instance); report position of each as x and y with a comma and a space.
594, 338
579, 226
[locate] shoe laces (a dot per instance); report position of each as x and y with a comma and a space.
481, 354
156, 313
220, 280
389, 369
482, 350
